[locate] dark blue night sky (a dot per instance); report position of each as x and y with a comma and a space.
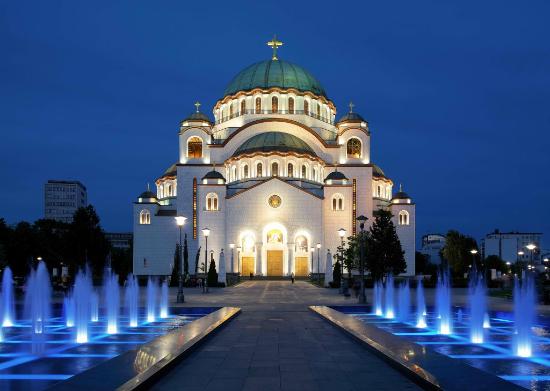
457, 96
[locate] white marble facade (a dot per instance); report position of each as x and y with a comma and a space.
273, 174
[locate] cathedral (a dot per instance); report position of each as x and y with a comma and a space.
270, 184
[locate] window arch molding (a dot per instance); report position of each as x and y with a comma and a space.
354, 147
245, 171
145, 217
212, 203
404, 217
194, 147
259, 169
275, 167
337, 202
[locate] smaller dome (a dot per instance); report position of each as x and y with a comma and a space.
377, 171
198, 117
336, 176
148, 194
213, 175
170, 171
274, 142
401, 195
351, 117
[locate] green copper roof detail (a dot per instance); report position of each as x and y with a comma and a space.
274, 142
274, 73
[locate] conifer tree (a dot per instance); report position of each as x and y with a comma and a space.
176, 267
185, 258
212, 274
384, 254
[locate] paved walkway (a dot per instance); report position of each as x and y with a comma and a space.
276, 343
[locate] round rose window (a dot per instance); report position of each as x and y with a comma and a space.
274, 201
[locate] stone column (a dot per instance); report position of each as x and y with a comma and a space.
290, 258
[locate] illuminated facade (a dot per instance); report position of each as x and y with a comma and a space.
274, 174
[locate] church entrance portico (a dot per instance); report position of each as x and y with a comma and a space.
274, 250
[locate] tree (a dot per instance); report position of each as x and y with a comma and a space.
212, 274
420, 262
174, 280
457, 252
495, 262
197, 262
351, 254
384, 252
87, 241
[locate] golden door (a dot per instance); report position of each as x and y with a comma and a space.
300, 266
247, 266
275, 263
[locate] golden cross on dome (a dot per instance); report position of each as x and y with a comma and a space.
197, 105
274, 44
351, 106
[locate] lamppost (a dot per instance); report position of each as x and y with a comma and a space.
362, 296
239, 253
206, 233
531, 247
180, 298
318, 250
311, 250
342, 234
232, 247
474, 252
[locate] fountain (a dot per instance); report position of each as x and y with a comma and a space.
524, 314
378, 291
164, 300
443, 303
420, 306
151, 299
390, 314
403, 301
8, 303
68, 309
131, 297
478, 307
94, 306
486, 321
112, 300
82, 297
37, 305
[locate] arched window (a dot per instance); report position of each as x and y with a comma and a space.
403, 217
315, 174
291, 105
379, 191
318, 109
258, 105
243, 106
194, 148
274, 169
231, 110
354, 147
306, 106
304, 171
337, 202
234, 173
245, 170
169, 190
274, 104
290, 169
145, 217
211, 201
259, 169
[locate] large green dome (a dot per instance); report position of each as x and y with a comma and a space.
274, 73
274, 142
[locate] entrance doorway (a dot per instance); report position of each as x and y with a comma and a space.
247, 266
300, 266
275, 263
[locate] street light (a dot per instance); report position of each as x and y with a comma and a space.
180, 298
232, 247
474, 252
362, 219
342, 234
206, 233
318, 250
311, 249
239, 252
531, 247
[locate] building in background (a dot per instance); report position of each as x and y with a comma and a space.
513, 246
120, 240
63, 198
432, 244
